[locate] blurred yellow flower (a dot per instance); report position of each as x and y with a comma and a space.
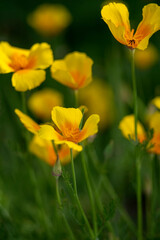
147, 58
98, 97
66, 130
156, 102
127, 128
40, 147
116, 16
42, 102
74, 71
27, 65
154, 123
50, 19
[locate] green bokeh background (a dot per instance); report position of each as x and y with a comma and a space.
20, 217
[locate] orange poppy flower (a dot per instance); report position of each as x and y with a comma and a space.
66, 127
116, 16
28, 65
74, 71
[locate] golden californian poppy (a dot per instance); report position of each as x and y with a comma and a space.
43, 148
74, 71
116, 16
66, 127
27, 65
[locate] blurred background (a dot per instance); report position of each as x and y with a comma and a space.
20, 217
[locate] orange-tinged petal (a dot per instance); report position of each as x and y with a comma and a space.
60, 73
71, 145
127, 127
149, 25
116, 16
47, 132
43, 149
6, 53
31, 125
42, 55
64, 154
75, 71
66, 119
90, 127
27, 79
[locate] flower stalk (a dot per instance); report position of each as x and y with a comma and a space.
138, 161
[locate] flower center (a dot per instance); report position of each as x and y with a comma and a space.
20, 61
71, 134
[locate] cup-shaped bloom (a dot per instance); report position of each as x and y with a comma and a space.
99, 99
154, 123
27, 65
66, 127
147, 58
127, 128
74, 71
43, 148
116, 16
42, 102
50, 19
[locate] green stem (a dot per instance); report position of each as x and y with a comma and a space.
138, 163
139, 199
90, 192
77, 198
134, 93
72, 237
76, 98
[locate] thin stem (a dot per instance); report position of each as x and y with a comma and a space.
139, 199
77, 198
76, 98
90, 192
138, 163
134, 93
61, 208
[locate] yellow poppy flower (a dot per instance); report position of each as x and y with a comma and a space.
28, 65
154, 123
98, 97
42, 102
147, 58
74, 71
67, 122
50, 19
116, 16
43, 148
127, 128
